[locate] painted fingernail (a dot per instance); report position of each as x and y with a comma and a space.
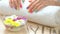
20, 5
30, 11
29, 1
27, 7
15, 7
23, 1
35, 10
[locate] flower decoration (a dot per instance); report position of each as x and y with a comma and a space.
14, 21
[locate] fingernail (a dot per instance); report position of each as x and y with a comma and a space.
14, 7
35, 10
30, 11
20, 5
29, 1
27, 7
23, 1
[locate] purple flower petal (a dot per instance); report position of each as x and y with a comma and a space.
14, 19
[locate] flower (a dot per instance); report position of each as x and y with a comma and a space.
14, 21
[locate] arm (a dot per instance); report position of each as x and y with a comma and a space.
57, 3
54, 3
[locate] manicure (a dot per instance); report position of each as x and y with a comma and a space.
27, 7
30, 11
35, 10
20, 5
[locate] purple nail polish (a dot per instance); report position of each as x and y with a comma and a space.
27, 7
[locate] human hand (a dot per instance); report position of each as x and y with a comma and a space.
37, 5
15, 4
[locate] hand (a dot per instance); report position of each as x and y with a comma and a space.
15, 3
37, 5
31, 1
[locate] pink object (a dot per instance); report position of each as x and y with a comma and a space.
20, 5
19, 17
15, 19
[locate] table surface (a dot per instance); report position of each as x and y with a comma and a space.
31, 28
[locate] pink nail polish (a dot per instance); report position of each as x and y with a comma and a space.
20, 5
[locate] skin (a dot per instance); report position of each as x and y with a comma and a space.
15, 3
35, 5
32, 7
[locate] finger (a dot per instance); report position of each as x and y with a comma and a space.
41, 6
31, 4
15, 4
18, 4
18, 1
31, 1
35, 8
11, 3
